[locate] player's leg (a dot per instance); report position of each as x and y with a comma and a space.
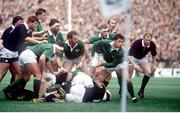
146, 67
130, 71
129, 85
13, 73
15, 70
3, 69
35, 69
48, 80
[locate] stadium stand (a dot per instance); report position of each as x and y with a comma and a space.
161, 17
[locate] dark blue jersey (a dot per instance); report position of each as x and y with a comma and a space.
16, 40
6, 35
138, 51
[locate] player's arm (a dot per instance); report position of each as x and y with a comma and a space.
59, 63
42, 63
82, 57
39, 34
34, 41
1, 43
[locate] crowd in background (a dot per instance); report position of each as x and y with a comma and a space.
160, 17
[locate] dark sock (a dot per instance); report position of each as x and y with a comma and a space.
120, 83
144, 83
36, 87
17, 84
106, 83
12, 80
50, 97
130, 89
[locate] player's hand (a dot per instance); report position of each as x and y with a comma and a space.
138, 68
56, 73
79, 66
63, 70
153, 69
44, 41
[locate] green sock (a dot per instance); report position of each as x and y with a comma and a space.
130, 89
36, 87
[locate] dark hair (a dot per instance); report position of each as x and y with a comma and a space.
32, 19
16, 18
118, 36
59, 43
40, 11
53, 21
71, 33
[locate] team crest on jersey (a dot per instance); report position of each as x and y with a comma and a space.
77, 50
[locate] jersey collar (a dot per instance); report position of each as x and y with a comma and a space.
144, 44
26, 25
111, 43
70, 45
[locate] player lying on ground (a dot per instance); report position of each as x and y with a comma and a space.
81, 89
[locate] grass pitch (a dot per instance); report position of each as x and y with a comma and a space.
161, 95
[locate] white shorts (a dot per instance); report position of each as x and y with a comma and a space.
75, 61
5, 53
27, 56
82, 79
49, 78
76, 93
140, 61
97, 58
118, 67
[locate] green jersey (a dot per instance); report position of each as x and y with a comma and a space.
38, 27
113, 57
74, 52
46, 49
55, 38
98, 37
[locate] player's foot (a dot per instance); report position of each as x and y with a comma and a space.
141, 94
58, 100
38, 100
134, 99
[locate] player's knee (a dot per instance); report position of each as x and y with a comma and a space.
149, 74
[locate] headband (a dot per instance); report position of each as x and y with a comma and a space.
103, 30
55, 25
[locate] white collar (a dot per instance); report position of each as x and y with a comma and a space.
26, 25
70, 45
144, 44
13, 26
50, 33
111, 43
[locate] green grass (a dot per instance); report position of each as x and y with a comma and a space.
161, 95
